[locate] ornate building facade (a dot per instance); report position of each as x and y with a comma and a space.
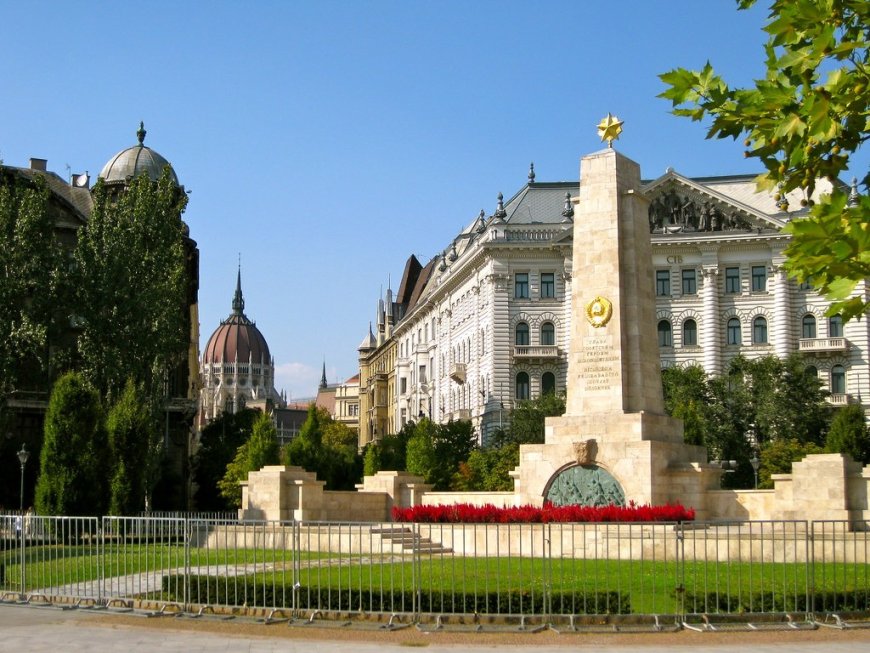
237, 369
489, 323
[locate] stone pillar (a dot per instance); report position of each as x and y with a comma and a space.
711, 337
781, 331
613, 351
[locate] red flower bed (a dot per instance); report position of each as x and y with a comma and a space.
464, 513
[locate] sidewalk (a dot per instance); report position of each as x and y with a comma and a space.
49, 630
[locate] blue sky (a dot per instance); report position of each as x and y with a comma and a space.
324, 142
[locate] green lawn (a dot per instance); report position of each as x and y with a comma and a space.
446, 583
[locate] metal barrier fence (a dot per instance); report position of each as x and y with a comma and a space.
551, 571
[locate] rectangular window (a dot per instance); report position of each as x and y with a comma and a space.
422, 374
521, 285
403, 385
663, 283
548, 285
690, 283
759, 278
732, 280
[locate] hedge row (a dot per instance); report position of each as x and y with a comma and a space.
220, 590
818, 601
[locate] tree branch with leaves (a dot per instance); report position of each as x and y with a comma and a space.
803, 122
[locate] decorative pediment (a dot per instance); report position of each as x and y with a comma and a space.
681, 205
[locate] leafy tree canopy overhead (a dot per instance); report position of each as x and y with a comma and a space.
803, 122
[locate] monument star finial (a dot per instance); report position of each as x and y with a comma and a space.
609, 129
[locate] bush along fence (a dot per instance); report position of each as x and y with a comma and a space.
549, 571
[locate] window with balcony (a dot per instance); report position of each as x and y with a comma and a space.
548, 334
759, 331
759, 278
733, 331
808, 326
522, 393
548, 285
663, 283
732, 280
690, 282
690, 333
665, 335
838, 380
522, 335
548, 383
521, 285
835, 327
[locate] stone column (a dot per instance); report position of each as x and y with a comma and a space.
781, 329
710, 331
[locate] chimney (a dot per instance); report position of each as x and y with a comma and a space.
38, 164
81, 181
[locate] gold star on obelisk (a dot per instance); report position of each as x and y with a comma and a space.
609, 129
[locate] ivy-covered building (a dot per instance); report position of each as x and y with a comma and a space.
70, 204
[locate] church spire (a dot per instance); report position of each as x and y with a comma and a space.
238, 300
323, 377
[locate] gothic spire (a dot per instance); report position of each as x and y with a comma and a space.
238, 300
323, 377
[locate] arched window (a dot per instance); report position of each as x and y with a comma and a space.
759, 331
811, 371
522, 334
838, 380
733, 332
522, 386
548, 383
808, 326
835, 327
665, 336
690, 333
548, 334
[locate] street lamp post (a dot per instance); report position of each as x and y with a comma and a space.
23, 455
755, 462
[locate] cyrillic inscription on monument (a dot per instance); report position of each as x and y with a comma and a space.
598, 363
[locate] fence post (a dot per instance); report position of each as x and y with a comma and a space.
416, 574
188, 537
680, 559
19, 524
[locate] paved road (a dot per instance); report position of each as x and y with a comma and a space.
52, 630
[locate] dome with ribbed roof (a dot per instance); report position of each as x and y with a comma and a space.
237, 338
135, 160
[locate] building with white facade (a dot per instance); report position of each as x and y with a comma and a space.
491, 323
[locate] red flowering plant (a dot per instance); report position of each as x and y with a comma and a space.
465, 513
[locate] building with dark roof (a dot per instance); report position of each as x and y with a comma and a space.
237, 369
487, 325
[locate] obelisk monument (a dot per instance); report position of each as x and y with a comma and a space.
615, 431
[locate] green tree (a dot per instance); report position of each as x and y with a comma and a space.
33, 292
803, 121
73, 461
420, 456
260, 450
849, 434
305, 449
219, 441
777, 457
342, 465
388, 453
131, 428
488, 469
528, 417
132, 286
687, 397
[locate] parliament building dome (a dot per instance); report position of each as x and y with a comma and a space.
237, 338
135, 160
